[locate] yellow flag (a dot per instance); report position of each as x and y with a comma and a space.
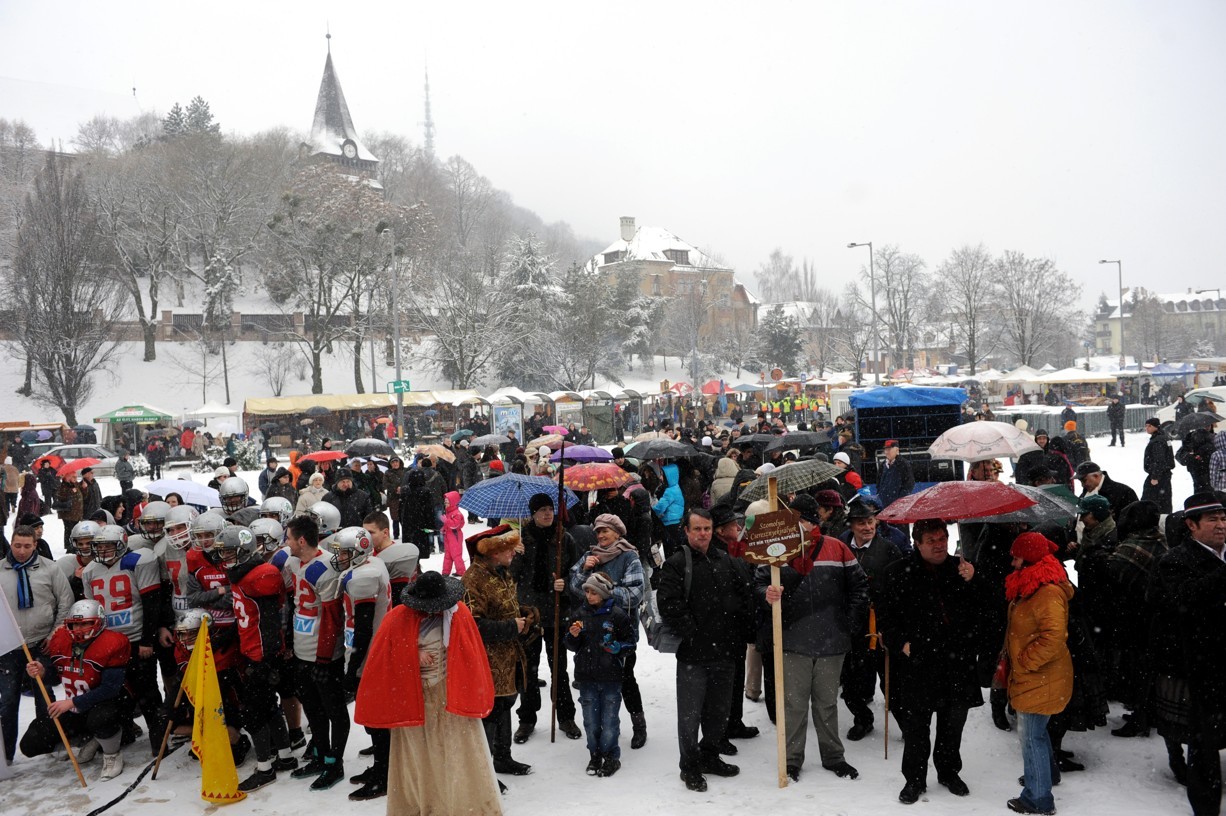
210, 740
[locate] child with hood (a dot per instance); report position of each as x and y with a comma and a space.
453, 534
671, 509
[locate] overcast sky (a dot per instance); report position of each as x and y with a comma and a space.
1074, 130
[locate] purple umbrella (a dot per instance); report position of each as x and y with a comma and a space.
583, 453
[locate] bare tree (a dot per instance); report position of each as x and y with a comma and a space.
854, 333
966, 289
900, 282
470, 193
822, 331
273, 366
64, 295
776, 278
197, 359
1037, 305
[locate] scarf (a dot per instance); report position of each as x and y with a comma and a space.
606, 554
1025, 582
25, 594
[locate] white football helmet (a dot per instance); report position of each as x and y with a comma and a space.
277, 508
85, 621
110, 544
351, 547
178, 526
153, 520
326, 516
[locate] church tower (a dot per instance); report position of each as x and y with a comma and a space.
333, 136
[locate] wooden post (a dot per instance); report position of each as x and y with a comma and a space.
58, 727
772, 487
170, 724
887, 701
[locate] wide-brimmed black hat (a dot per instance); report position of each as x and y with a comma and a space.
432, 593
1199, 503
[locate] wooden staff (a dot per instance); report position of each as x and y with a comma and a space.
781, 745
557, 596
887, 701
56, 720
170, 724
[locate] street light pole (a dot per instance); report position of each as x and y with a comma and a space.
391, 239
872, 286
700, 313
1119, 266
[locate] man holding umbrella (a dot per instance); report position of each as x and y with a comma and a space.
1158, 462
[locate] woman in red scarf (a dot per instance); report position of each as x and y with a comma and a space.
1040, 667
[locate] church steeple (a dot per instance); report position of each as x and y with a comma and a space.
428, 124
333, 135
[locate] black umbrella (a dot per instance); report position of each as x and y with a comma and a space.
369, 447
270, 426
661, 449
1192, 422
193, 423
84, 428
755, 439
797, 439
317, 411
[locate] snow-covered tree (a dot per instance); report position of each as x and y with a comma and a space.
1038, 304
779, 343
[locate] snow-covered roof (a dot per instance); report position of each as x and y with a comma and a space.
650, 244
750, 297
1179, 302
333, 126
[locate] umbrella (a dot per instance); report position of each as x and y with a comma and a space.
437, 452
797, 439
551, 440
356, 463
583, 453
463, 433
508, 496
977, 441
643, 437
195, 423
55, 461
383, 420
270, 426
754, 439
306, 422
1199, 419
77, 464
792, 478
324, 456
369, 447
954, 501
84, 428
1051, 506
555, 429
662, 449
317, 411
489, 439
595, 476
29, 436
44, 435
430, 412
192, 492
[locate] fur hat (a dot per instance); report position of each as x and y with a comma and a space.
315, 478
610, 521
494, 544
599, 583
1032, 547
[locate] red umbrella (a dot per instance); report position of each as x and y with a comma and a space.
954, 501
711, 388
558, 429
75, 465
324, 456
55, 461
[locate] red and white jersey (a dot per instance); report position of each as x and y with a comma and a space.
110, 650
365, 584
208, 578
259, 601
176, 568
119, 587
318, 611
401, 562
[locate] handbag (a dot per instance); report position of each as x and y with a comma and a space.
660, 635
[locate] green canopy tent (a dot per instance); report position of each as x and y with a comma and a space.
138, 414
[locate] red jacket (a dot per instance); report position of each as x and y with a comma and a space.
390, 695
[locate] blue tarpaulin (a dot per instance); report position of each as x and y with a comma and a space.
900, 396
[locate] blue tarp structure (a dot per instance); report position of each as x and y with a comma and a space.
1166, 370
906, 396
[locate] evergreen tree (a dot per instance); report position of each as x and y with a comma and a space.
199, 118
779, 341
175, 123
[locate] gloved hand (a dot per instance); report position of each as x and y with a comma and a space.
609, 644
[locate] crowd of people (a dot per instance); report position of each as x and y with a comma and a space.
314, 596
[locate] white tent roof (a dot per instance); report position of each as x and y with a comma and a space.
1021, 374
215, 409
1075, 375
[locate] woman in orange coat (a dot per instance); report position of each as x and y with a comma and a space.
1040, 666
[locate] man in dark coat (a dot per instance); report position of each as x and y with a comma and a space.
1193, 576
1031, 461
714, 620
895, 478
864, 665
1115, 415
1095, 480
931, 612
1159, 462
353, 502
91, 493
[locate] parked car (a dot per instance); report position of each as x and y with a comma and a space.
1216, 393
68, 453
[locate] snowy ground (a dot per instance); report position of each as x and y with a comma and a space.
1123, 776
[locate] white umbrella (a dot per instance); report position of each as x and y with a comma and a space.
192, 492
977, 441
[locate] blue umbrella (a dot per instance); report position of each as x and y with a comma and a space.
508, 496
583, 453
29, 436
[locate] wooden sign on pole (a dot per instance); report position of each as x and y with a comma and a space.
773, 538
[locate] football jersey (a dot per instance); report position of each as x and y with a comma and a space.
176, 569
280, 559
401, 563
206, 579
318, 611
258, 598
139, 542
119, 587
72, 566
367, 583
81, 673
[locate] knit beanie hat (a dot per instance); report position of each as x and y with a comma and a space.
1071, 425
1095, 505
829, 498
538, 501
806, 506
1032, 547
599, 583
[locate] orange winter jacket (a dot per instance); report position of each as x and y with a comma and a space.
1040, 667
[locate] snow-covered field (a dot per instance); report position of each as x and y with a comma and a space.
1123, 776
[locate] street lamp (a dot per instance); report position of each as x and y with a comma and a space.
698, 316
872, 286
1119, 266
391, 253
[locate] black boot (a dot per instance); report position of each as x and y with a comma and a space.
1175, 757
1000, 701
639, 736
